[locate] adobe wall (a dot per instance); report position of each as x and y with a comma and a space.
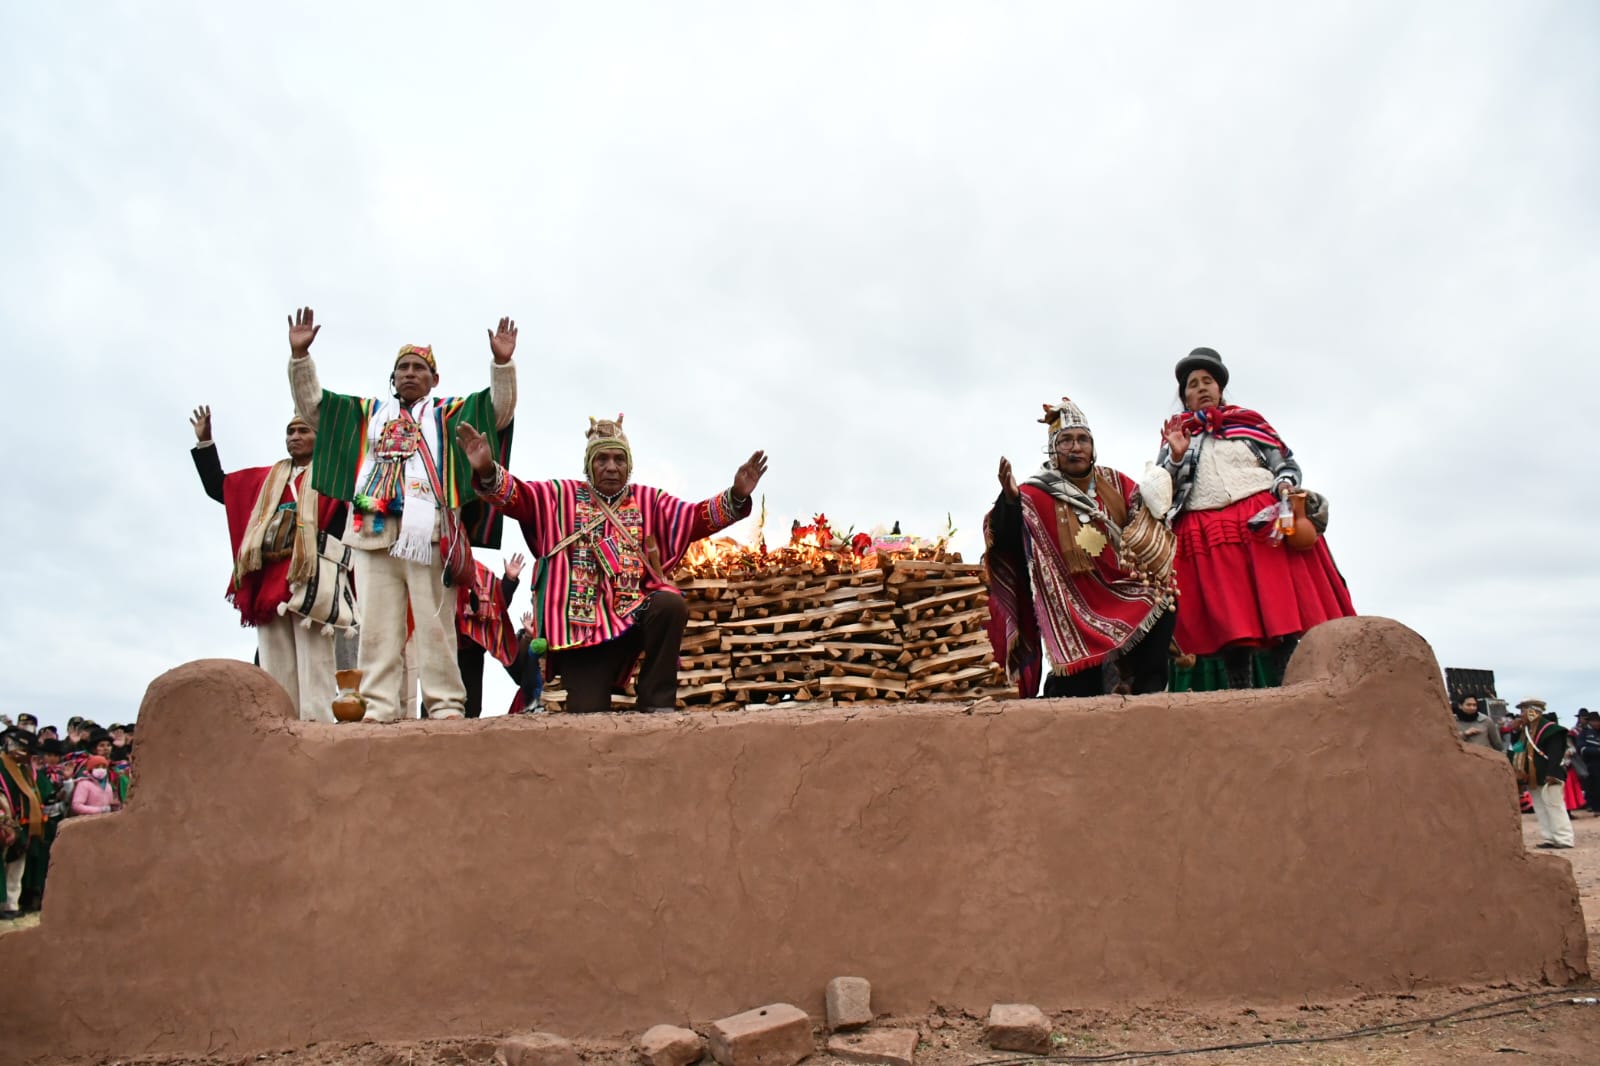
276, 882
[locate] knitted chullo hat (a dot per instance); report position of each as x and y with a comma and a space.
605, 435
1065, 415
421, 351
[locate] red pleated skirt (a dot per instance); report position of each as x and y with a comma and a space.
1238, 587
1572, 791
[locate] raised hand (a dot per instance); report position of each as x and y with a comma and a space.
527, 621
201, 421
1177, 437
503, 341
1008, 480
514, 566
476, 445
302, 331
748, 476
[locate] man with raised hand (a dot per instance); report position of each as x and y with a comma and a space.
603, 547
396, 461
274, 515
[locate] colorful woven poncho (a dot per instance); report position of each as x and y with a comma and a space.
342, 445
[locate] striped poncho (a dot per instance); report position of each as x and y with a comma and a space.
342, 442
589, 592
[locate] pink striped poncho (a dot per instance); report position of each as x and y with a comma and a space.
590, 591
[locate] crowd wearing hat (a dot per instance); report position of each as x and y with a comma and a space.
45, 780
1555, 766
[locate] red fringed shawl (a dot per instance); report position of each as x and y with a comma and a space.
258, 594
1233, 423
1037, 605
482, 616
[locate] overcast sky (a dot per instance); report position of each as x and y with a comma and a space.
869, 238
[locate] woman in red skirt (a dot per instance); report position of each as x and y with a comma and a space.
1241, 588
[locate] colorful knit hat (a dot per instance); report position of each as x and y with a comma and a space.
421, 351
1065, 415
95, 761
604, 435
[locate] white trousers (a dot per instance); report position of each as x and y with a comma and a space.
301, 660
14, 882
1550, 807
385, 585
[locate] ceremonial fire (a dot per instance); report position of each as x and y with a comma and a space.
831, 615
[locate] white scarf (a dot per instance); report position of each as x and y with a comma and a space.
415, 541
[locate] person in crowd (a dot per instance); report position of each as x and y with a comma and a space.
22, 814
28, 722
47, 779
1586, 745
75, 733
395, 461
1574, 787
1476, 727
1241, 588
528, 668
1541, 763
1062, 587
49, 732
122, 742
274, 515
95, 793
483, 626
606, 546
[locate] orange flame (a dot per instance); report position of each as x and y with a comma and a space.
813, 548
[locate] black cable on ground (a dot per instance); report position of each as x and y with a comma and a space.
1569, 997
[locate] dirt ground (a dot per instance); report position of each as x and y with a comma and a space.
1498, 1024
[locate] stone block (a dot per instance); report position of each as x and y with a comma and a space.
849, 1002
778, 1034
670, 1045
1017, 1027
890, 1047
536, 1049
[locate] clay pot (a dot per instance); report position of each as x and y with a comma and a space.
1305, 534
349, 705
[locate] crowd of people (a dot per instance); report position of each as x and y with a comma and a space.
45, 779
1098, 582
1558, 767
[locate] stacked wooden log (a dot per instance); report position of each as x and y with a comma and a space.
802, 624
941, 607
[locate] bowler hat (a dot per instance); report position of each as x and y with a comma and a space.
1202, 359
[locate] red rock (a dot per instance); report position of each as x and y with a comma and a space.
1017, 1027
849, 1002
890, 1047
778, 1034
669, 1045
536, 1049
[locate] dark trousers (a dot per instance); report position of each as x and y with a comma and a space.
469, 657
1142, 668
590, 674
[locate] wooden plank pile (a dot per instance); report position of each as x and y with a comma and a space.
804, 624
941, 610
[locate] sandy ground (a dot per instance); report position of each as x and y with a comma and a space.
1499, 1024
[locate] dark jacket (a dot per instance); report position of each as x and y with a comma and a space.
1548, 741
